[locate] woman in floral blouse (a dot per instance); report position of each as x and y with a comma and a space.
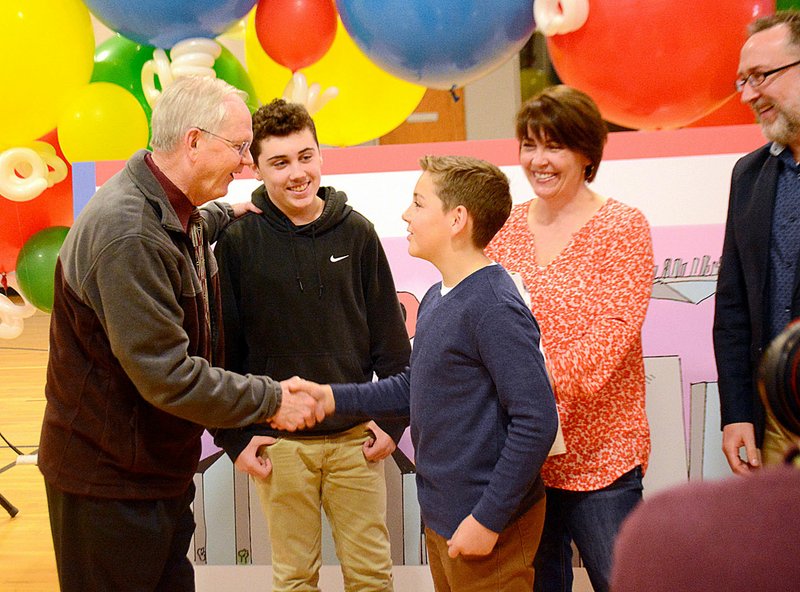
587, 261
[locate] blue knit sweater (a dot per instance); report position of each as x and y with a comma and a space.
483, 415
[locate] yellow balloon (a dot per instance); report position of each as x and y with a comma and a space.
102, 121
370, 103
48, 53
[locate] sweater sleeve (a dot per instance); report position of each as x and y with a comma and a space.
588, 359
508, 346
386, 398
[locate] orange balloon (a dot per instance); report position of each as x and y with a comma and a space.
651, 65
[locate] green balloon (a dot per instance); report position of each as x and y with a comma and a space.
119, 60
787, 4
229, 69
36, 266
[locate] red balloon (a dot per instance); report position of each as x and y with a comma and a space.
295, 33
22, 219
651, 65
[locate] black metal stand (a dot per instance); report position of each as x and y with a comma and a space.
9, 507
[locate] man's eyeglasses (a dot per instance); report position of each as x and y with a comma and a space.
240, 147
756, 79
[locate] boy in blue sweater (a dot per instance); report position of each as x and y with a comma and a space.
483, 415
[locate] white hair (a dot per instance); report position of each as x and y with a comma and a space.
193, 101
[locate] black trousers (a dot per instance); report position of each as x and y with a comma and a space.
110, 545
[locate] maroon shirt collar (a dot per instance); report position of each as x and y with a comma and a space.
177, 198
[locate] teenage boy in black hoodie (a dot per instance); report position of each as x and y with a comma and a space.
307, 290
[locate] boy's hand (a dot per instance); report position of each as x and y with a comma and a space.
323, 393
380, 445
471, 538
250, 461
300, 407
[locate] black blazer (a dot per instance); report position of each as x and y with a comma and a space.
741, 332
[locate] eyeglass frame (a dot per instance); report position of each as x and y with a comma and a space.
760, 76
240, 148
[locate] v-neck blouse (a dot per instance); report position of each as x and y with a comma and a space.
590, 302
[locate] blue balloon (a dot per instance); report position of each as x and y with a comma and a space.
162, 23
438, 43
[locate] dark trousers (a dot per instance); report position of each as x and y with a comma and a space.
121, 545
591, 519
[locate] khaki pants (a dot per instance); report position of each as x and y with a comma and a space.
508, 568
329, 472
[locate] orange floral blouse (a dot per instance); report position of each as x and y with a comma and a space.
590, 302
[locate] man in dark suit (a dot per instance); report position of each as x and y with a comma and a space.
757, 291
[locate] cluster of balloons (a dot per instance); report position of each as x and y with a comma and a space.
361, 66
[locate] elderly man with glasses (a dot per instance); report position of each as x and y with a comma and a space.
135, 345
757, 291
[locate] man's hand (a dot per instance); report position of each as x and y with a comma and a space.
323, 393
471, 538
380, 445
242, 207
734, 436
300, 408
249, 461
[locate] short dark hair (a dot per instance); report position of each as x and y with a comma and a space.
569, 117
279, 118
790, 18
479, 186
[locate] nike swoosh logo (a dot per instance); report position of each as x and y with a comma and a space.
335, 259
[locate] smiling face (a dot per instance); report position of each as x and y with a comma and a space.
291, 168
217, 160
428, 223
776, 101
554, 171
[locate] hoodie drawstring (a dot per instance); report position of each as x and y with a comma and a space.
313, 257
316, 263
294, 257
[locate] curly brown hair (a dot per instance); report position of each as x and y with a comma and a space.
279, 118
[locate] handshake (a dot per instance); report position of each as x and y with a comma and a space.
303, 404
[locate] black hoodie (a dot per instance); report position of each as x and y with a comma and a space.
317, 301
